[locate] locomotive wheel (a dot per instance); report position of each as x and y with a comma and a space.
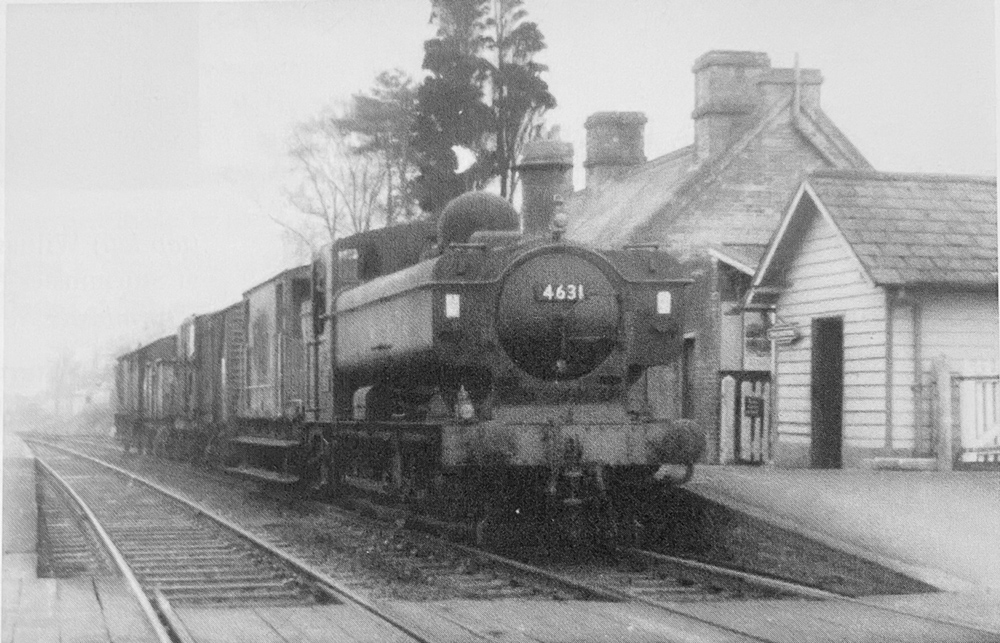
621, 526
319, 473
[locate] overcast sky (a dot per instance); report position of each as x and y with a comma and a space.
145, 143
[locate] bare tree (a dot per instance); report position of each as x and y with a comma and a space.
339, 189
380, 123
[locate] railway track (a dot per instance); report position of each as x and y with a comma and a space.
175, 553
470, 572
179, 551
635, 576
66, 547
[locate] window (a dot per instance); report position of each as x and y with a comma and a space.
347, 265
369, 263
301, 293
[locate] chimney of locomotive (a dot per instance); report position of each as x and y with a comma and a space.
614, 145
546, 170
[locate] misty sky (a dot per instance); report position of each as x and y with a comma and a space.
145, 144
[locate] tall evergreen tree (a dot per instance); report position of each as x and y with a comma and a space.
484, 92
519, 95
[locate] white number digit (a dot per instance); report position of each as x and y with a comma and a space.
547, 293
571, 292
560, 292
579, 291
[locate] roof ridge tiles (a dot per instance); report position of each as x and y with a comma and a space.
822, 122
875, 175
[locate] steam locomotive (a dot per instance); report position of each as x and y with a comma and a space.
469, 370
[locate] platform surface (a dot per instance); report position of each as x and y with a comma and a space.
939, 527
91, 609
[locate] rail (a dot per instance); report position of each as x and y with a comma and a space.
162, 635
323, 581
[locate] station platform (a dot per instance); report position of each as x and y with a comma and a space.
939, 527
53, 609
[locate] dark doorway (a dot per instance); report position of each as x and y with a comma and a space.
827, 392
687, 379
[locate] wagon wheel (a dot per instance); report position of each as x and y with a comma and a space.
335, 467
322, 468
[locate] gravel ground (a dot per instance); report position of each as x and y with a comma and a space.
693, 527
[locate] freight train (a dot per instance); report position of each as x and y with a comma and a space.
466, 369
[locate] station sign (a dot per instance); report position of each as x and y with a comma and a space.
753, 406
784, 334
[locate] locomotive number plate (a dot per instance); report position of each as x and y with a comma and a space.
558, 292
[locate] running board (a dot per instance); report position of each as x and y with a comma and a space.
264, 475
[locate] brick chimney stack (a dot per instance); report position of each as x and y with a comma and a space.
725, 97
614, 145
546, 170
780, 83
730, 86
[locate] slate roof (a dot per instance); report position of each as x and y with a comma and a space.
624, 210
744, 256
608, 215
911, 229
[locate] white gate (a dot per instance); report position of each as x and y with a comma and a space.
978, 386
744, 416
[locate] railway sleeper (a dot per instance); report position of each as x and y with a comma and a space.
289, 596
253, 586
209, 574
165, 578
161, 536
204, 550
230, 558
205, 564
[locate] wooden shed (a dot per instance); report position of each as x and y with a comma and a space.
882, 289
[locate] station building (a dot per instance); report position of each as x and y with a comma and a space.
884, 286
759, 132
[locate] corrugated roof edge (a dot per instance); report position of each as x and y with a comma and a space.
289, 272
942, 285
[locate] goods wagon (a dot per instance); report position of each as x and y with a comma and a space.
148, 396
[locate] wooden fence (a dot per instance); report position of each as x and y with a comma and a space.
967, 412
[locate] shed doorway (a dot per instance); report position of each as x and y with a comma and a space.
827, 392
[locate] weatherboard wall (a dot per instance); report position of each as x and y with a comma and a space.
823, 279
902, 381
959, 326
